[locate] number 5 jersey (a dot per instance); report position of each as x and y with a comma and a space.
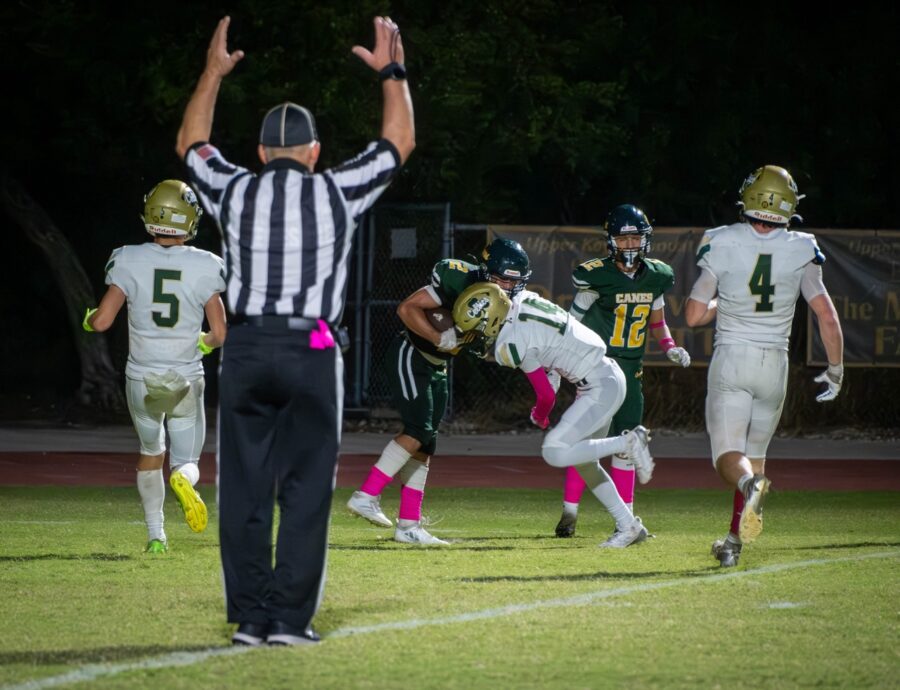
167, 289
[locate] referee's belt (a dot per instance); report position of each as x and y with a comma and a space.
291, 323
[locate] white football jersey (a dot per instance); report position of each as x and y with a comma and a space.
167, 289
538, 333
758, 281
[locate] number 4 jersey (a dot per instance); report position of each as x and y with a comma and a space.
538, 333
758, 279
620, 311
167, 289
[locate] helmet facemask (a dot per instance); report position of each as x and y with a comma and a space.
627, 220
505, 260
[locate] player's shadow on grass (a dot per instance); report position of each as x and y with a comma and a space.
66, 557
828, 547
39, 657
584, 577
390, 545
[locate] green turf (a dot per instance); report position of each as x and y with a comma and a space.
507, 605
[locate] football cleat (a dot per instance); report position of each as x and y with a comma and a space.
369, 507
192, 505
621, 539
566, 526
726, 552
416, 534
751, 517
638, 452
156, 546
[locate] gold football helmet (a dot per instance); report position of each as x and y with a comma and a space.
770, 194
171, 210
481, 308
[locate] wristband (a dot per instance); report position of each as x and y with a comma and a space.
203, 347
86, 323
667, 344
658, 324
392, 70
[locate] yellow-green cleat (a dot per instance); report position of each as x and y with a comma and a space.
191, 504
156, 546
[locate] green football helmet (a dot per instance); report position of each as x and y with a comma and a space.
481, 308
626, 220
171, 210
769, 194
505, 259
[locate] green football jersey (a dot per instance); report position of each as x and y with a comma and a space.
449, 278
621, 313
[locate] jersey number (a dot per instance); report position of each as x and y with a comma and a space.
761, 282
636, 332
555, 317
160, 296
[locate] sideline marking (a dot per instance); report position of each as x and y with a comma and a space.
94, 671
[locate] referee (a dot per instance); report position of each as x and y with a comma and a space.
287, 234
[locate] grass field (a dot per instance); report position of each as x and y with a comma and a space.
814, 602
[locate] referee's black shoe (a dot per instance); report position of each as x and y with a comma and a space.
250, 634
282, 634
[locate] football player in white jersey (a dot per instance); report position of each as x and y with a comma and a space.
751, 274
169, 288
541, 339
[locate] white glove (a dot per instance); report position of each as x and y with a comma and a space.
449, 340
540, 423
554, 379
831, 377
679, 355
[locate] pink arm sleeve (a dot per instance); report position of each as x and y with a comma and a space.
543, 391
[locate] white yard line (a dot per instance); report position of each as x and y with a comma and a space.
94, 671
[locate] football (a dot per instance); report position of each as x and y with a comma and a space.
441, 319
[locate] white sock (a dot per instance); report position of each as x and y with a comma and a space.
607, 494
153, 494
742, 483
406, 524
190, 471
570, 508
585, 451
413, 474
393, 457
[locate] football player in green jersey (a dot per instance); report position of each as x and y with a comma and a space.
417, 371
620, 297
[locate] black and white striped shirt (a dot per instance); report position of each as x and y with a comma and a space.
286, 232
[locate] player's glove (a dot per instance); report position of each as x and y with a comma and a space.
832, 378
540, 423
679, 355
202, 346
449, 341
86, 323
554, 379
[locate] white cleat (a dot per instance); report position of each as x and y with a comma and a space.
639, 453
368, 507
621, 539
416, 534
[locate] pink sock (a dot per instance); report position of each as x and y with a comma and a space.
410, 504
375, 482
736, 513
624, 481
574, 486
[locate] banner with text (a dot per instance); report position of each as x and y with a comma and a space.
862, 273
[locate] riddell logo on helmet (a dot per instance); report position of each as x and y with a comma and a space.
628, 228
163, 230
511, 273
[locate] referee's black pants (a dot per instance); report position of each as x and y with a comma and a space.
280, 406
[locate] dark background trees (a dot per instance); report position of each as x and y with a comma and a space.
535, 112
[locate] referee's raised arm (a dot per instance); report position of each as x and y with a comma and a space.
397, 123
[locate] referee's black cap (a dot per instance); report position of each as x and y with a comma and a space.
286, 125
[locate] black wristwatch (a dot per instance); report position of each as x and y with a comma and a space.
393, 70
